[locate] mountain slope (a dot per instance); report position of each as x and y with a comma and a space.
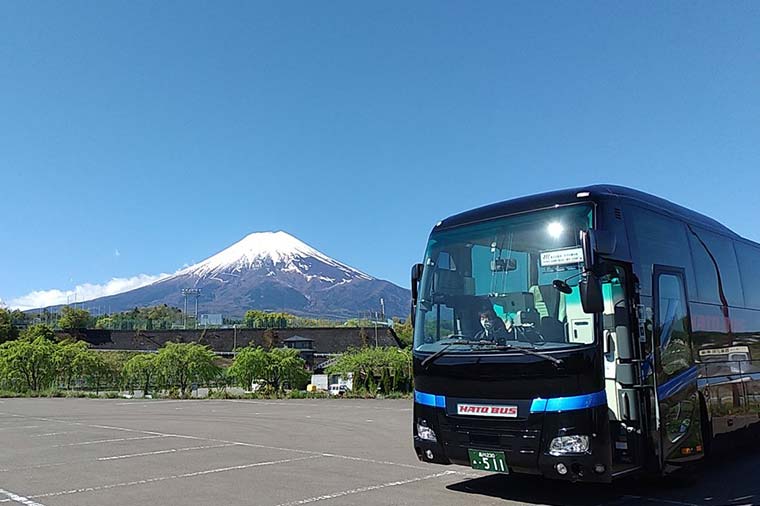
269, 271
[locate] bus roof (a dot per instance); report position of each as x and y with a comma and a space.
593, 193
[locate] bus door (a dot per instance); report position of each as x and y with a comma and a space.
621, 376
677, 407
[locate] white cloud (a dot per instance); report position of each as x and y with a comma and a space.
81, 293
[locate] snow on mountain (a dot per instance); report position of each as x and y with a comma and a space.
278, 250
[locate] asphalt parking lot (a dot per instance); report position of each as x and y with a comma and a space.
283, 453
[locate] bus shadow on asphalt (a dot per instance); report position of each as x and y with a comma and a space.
728, 478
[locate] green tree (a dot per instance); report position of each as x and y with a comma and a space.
277, 369
32, 332
8, 329
181, 365
262, 319
73, 318
404, 330
105, 322
389, 367
71, 359
101, 369
28, 361
286, 368
250, 364
141, 369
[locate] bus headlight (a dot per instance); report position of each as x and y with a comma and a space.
425, 432
565, 445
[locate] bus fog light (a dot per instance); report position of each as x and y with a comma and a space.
425, 432
564, 445
561, 468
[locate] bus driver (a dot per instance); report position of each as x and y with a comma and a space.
494, 328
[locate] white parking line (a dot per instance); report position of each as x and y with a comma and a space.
241, 443
37, 466
48, 434
116, 440
307, 455
161, 452
21, 427
115, 457
290, 403
141, 402
165, 478
370, 488
18, 498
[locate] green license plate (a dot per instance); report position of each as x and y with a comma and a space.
486, 460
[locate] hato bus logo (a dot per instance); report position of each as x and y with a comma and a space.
487, 410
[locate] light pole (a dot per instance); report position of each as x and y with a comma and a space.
375, 321
195, 292
234, 340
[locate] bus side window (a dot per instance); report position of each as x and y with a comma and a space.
749, 265
672, 325
722, 250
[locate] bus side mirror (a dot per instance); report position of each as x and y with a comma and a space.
416, 276
587, 239
591, 293
590, 285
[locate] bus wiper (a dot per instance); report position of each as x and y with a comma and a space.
443, 350
500, 347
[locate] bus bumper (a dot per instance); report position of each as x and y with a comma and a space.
525, 442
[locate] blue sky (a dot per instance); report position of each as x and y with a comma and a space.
136, 137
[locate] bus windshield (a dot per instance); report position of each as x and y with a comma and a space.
490, 284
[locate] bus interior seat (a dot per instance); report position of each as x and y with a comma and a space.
528, 316
550, 304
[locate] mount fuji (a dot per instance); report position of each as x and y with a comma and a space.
269, 271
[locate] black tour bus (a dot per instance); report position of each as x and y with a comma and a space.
584, 334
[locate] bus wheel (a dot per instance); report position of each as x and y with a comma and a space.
707, 434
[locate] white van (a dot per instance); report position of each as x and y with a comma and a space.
338, 389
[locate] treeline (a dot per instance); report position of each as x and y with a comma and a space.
165, 317
162, 317
35, 363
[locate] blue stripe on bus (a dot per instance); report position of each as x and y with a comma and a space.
436, 401
553, 405
677, 383
557, 404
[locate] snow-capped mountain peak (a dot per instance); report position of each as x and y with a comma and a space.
272, 250
270, 271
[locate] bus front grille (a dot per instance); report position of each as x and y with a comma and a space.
510, 440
